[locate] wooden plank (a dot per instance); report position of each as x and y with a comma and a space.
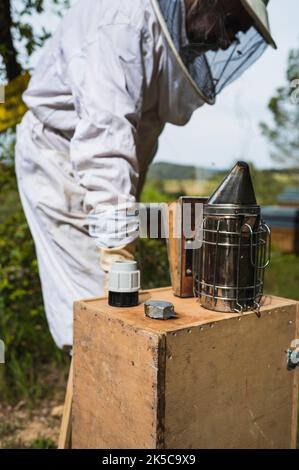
227, 384
174, 245
205, 379
116, 389
189, 311
65, 437
182, 215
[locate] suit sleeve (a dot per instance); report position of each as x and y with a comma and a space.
107, 85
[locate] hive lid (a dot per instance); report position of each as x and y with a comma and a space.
236, 188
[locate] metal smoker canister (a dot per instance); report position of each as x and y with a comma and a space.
235, 247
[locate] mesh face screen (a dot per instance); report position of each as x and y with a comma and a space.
214, 69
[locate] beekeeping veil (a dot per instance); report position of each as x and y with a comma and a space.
209, 71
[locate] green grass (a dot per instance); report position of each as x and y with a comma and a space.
42, 444
282, 277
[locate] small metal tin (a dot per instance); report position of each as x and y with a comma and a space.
159, 310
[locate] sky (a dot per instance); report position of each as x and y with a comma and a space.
218, 135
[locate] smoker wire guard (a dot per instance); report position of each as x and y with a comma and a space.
260, 257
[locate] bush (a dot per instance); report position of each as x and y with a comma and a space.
23, 327
30, 350
153, 262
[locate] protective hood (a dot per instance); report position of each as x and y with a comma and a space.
209, 72
257, 9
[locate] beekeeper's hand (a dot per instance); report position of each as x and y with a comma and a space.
111, 255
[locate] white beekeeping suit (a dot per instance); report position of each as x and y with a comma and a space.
111, 77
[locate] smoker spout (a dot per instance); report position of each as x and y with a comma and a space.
236, 188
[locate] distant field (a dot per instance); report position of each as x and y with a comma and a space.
268, 185
187, 187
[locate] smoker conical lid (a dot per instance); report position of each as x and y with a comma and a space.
236, 188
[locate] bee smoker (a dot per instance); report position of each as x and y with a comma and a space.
229, 267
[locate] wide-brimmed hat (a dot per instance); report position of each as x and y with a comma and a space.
257, 9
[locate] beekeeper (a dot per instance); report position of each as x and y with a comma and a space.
111, 77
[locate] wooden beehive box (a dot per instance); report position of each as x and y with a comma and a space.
203, 380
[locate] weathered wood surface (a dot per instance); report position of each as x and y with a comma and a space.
203, 380
65, 436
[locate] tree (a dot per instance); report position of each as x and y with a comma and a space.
14, 29
283, 134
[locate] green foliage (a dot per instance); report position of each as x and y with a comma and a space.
17, 32
24, 31
153, 262
42, 444
23, 328
282, 277
30, 350
163, 170
170, 171
283, 135
29, 347
154, 191
152, 254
